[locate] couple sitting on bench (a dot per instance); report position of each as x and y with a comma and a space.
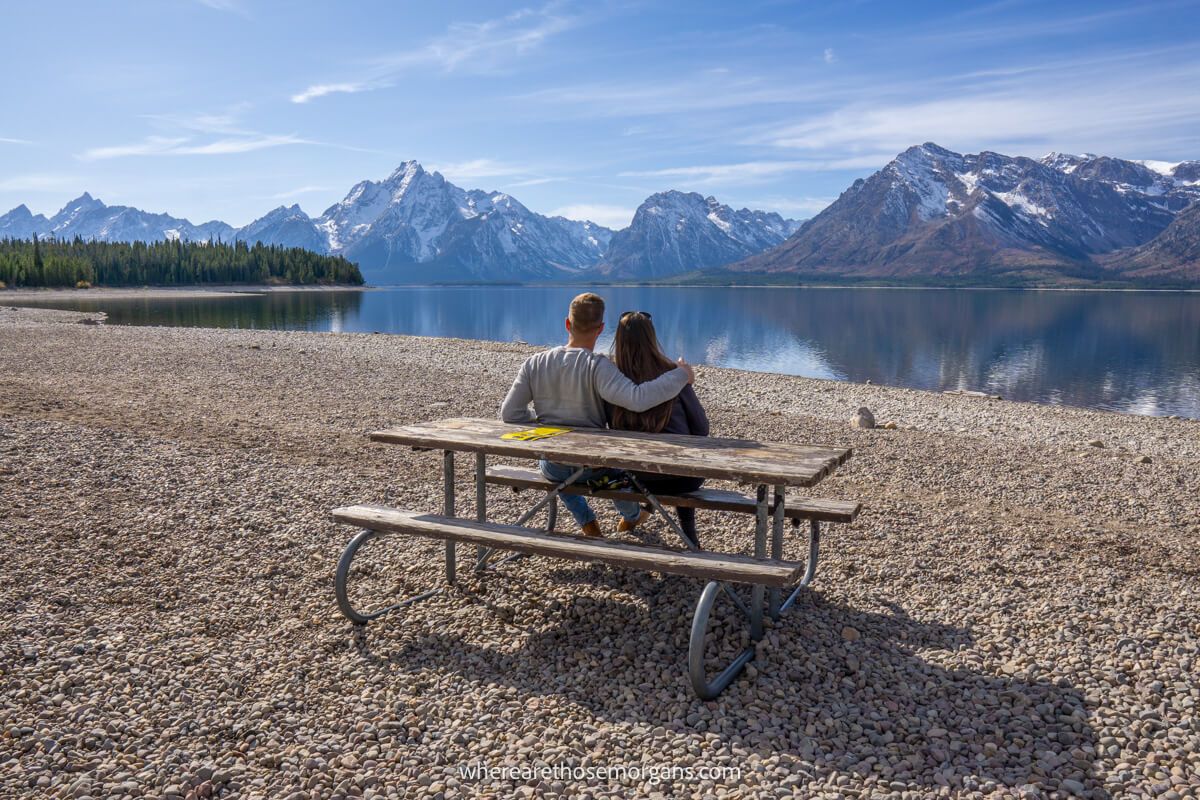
640, 389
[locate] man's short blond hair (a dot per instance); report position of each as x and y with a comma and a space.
587, 313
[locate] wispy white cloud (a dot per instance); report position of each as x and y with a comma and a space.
478, 168
465, 46
898, 126
185, 146
1026, 120
194, 133
297, 192
243, 145
227, 121
750, 171
323, 89
151, 145
39, 182
8, 140
860, 117
486, 45
1023, 109
1045, 25
700, 92
535, 182
829, 56
232, 6
720, 173
794, 207
615, 217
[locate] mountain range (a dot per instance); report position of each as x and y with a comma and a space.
415, 226
89, 218
935, 214
930, 215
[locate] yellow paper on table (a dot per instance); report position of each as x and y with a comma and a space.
533, 434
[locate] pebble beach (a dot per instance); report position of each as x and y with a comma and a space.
1013, 615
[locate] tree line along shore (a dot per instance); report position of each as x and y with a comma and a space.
77, 262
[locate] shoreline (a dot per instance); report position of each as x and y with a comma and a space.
100, 316
1012, 614
226, 290
53, 294
574, 285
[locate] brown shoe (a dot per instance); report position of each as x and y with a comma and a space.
625, 525
593, 529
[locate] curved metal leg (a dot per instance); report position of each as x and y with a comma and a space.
810, 570
705, 690
343, 574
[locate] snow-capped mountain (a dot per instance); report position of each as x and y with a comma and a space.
288, 227
674, 232
412, 226
89, 218
21, 223
1176, 185
414, 218
935, 212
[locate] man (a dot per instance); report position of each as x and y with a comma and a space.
568, 386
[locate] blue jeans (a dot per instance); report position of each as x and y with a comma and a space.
578, 504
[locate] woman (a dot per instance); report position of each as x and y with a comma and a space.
636, 353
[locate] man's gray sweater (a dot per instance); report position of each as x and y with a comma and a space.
567, 386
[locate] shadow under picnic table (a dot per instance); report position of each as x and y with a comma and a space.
851, 704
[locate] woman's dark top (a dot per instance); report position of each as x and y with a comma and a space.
687, 415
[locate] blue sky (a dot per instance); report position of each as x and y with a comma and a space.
228, 108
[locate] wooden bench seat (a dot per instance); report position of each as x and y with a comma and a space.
697, 564
712, 499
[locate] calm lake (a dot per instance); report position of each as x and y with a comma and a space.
1134, 352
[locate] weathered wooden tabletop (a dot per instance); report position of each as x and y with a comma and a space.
741, 460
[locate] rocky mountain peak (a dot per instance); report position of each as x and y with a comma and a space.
411, 174
406, 168
1187, 172
932, 211
674, 232
670, 198
21, 223
283, 211
84, 202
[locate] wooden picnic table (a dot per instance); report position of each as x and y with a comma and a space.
762, 464
739, 460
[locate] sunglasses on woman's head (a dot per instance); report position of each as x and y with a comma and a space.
645, 314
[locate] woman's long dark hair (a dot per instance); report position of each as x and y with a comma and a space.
636, 353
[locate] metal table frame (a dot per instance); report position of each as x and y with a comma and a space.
762, 599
